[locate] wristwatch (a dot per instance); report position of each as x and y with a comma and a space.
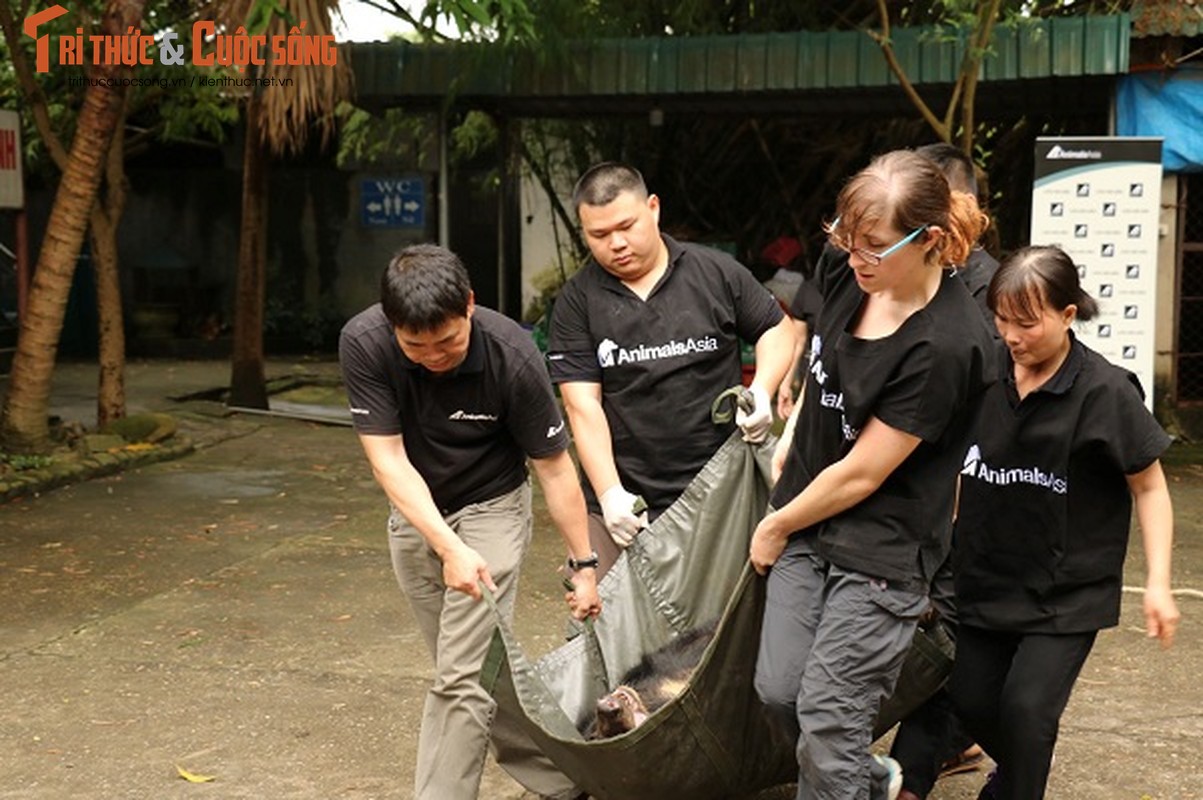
576, 564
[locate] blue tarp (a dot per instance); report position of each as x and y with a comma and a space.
1169, 106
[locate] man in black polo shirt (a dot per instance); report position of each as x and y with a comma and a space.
643, 338
449, 401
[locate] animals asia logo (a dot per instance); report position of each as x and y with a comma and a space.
611, 354
975, 467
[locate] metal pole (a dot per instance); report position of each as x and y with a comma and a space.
504, 144
444, 183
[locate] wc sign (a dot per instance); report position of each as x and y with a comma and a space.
392, 202
12, 192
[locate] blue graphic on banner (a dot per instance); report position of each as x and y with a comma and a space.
393, 202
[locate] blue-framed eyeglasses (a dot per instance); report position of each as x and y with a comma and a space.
868, 255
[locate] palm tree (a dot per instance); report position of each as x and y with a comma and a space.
279, 121
24, 423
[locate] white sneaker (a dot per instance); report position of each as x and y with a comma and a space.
894, 770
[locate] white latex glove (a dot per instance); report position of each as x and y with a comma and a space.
618, 510
755, 425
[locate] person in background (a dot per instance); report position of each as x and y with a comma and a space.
859, 518
643, 338
1063, 447
802, 306
958, 168
451, 401
930, 742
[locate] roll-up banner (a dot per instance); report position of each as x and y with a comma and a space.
1099, 200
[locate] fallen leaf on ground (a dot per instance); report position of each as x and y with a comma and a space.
192, 777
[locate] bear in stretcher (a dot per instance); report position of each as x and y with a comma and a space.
657, 679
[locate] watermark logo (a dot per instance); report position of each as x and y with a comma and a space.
43, 42
210, 47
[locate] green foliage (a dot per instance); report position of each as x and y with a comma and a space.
12, 462
547, 283
505, 21
171, 107
368, 140
513, 22
399, 137
476, 134
261, 14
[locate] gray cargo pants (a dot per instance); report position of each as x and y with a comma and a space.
831, 647
458, 721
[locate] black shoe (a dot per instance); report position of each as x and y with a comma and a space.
990, 789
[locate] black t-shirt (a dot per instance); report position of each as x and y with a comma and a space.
660, 362
978, 270
467, 432
806, 303
923, 379
1045, 507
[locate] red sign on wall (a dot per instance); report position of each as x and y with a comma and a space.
12, 187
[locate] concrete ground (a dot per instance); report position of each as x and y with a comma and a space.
233, 614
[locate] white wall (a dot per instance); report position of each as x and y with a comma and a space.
539, 237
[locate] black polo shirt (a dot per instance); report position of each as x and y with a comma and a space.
660, 362
467, 432
1045, 506
922, 379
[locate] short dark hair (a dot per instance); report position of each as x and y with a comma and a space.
603, 182
1037, 276
424, 286
954, 163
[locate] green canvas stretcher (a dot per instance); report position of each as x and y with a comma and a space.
688, 568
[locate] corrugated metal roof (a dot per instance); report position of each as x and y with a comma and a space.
746, 64
1167, 18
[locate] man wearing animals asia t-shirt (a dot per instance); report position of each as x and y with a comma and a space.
643, 338
450, 401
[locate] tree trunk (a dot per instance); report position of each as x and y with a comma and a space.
110, 391
248, 386
106, 218
24, 425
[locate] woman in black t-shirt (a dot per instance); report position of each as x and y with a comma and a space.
1062, 445
864, 503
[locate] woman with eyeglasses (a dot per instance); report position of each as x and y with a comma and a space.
861, 516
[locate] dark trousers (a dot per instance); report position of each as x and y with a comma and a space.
926, 738
1010, 690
